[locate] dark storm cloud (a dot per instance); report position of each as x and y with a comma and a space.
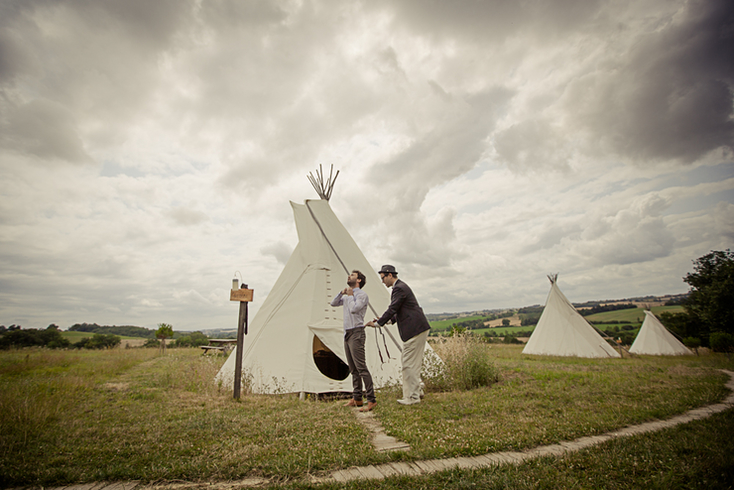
670, 97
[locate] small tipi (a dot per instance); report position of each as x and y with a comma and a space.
562, 331
295, 341
655, 340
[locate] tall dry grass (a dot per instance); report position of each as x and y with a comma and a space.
465, 363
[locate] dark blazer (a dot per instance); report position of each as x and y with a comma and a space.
405, 310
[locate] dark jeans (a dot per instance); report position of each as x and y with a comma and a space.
354, 347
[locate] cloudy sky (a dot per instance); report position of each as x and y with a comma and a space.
148, 150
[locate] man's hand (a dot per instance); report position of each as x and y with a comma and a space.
349, 291
372, 324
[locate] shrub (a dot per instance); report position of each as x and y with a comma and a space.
194, 339
722, 342
511, 339
98, 341
152, 343
465, 364
692, 343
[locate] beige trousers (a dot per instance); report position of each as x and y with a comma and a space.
413, 351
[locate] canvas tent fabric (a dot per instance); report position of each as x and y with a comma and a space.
654, 339
562, 331
295, 341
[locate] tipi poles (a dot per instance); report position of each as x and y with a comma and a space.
323, 188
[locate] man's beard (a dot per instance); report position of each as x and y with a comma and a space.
351, 283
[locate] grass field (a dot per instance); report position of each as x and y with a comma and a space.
134, 414
632, 316
74, 336
441, 325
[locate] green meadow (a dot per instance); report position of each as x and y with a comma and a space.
75, 416
632, 316
74, 336
440, 325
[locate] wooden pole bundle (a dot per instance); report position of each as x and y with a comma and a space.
323, 188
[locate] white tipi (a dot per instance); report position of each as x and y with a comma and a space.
562, 331
295, 342
654, 339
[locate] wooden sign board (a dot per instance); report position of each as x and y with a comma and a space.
240, 294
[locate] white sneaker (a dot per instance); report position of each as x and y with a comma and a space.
408, 401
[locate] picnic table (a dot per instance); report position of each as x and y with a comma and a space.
221, 345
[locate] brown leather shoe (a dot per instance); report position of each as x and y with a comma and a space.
353, 403
369, 407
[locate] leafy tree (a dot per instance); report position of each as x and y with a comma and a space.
711, 300
627, 338
681, 324
505, 322
165, 331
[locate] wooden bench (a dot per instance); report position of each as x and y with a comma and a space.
207, 348
221, 345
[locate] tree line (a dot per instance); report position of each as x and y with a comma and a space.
123, 330
16, 337
708, 319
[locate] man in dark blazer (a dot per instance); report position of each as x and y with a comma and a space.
413, 327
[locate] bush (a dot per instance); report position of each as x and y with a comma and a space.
466, 364
692, 343
98, 341
722, 342
194, 339
627, 338
152, 343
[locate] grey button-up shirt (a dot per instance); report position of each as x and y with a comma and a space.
354, 308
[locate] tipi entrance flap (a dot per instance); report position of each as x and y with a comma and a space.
332, 336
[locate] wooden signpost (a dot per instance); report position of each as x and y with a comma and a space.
244, 296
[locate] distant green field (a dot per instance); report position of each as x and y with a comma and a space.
501, 331
439, 325
633, 316
74, 337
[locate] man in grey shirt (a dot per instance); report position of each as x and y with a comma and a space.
355, 303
